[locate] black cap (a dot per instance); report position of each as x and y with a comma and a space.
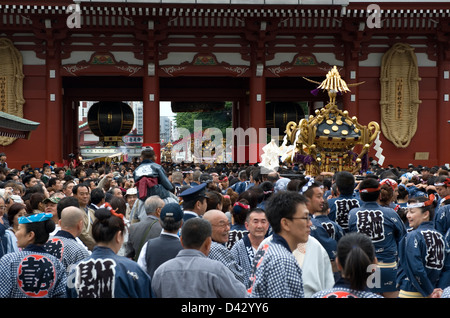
172, 210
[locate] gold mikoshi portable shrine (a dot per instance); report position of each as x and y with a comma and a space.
327, 142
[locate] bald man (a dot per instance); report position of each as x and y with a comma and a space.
220, 225
218, 251
64, 244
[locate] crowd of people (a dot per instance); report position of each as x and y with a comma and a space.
174, 230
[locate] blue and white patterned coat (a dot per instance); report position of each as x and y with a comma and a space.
32, 273
242, 251
65, 247
276, 273
220, 253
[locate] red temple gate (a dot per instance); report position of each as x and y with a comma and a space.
250, 54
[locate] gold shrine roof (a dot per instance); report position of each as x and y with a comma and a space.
339, 127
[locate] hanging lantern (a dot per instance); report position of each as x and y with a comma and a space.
110, 121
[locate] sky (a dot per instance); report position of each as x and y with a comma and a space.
165, 109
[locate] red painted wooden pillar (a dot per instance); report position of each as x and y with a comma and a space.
443, 105
151, 107
351, 100
53, 109
257, 101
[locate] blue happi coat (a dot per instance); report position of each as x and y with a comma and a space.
383, 225
340, 208
107, 275
424, 261
442, 219
327, 232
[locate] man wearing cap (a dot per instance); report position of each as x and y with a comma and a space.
130, 198
51, 207
194, 201
160, 249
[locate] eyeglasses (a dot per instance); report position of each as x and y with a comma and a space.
308, 218
2, 207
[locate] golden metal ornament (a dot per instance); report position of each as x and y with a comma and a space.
327, 142
334, 84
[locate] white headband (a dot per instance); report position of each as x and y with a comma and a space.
415, 205
306, 186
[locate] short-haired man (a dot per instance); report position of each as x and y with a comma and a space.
341, 206
243, 251
276, 272
81, 192
148, 228
191, 273
324, 230
385, 228
97, 198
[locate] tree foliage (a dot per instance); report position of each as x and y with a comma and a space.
215, 119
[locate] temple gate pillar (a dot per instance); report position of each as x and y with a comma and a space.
53, 105
257, 103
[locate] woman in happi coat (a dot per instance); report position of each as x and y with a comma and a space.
32, 272
424, 262
105, 274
